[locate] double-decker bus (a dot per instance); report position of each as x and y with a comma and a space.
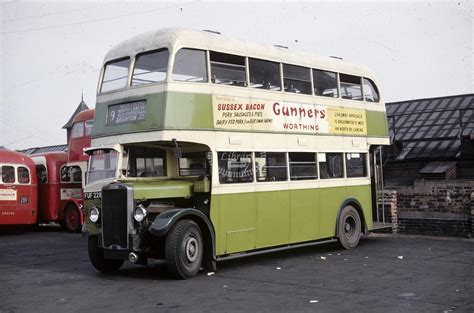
61, 176
206, 148
18, 189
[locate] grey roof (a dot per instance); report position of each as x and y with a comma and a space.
81, 107
431, 128
38, 150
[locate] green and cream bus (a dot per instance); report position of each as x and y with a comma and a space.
207, 148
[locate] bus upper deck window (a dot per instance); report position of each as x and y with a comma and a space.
350, 87
115, 74
23, 175
227, 69
190, 66
77, 130
371, 94
264, 74
88, 129
297, 79
150, 67
325, 83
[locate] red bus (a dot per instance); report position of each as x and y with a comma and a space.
59, 190
80, 137
18, 189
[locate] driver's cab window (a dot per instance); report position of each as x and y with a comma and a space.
193, 164
145, 162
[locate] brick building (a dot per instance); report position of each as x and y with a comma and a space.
429, 168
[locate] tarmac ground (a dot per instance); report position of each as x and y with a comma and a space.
49, 271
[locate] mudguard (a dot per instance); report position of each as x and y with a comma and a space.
163, 223
358, 206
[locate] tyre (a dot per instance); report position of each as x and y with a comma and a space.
184, 249
96, 255
72, 219
350, 227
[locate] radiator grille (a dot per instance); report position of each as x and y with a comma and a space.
114, 216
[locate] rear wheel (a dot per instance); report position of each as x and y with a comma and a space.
350, 228
96, 255
184, 249
72, 219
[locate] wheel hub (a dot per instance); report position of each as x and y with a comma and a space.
192, 249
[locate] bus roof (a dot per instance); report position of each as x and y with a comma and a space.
14, 157
85, 115
175, 38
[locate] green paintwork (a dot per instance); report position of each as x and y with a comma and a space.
377, 123
181, 110
248, 221
159, 189
92, 228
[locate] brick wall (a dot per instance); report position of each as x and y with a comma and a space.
435, 207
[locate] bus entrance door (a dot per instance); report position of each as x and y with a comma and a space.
380, 213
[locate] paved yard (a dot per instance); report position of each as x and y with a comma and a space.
49, 271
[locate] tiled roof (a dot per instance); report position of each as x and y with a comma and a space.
38, 150
431, 128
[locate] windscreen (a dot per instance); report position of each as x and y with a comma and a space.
102, 165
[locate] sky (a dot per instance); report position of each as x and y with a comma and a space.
51, 52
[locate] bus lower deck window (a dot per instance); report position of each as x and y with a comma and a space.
235, 167
8, 174
23, 175
270, 166
356, 164
302, 165
331, 165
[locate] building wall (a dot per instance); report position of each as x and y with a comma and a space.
433, 207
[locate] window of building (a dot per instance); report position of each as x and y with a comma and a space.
23, 175
325, 83
146, 162
77, 130
302, 165
331, 165
270, 166
227, 69
150, 67
297, 79
235, 167
350, 87
8, 174
356, 165
371, 93
264, 74
190, 65
115, 75
41, 174
193, 164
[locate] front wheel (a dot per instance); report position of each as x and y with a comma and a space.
184, 249
96, 255
72, 219
349, 230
